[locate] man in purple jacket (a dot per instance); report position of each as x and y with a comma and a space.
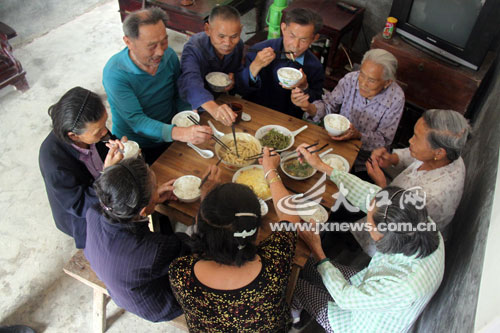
217, 49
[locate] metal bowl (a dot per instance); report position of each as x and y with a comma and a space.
239, 136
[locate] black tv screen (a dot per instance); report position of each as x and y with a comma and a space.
458, 30
450, 20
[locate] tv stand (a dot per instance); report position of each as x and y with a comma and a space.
429, 52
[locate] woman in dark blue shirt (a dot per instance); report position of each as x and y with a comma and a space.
73, 156
131, 260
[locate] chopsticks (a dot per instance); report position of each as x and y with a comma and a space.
208, 174
234, 137
259, 155
196, 122
257, 50
320, 148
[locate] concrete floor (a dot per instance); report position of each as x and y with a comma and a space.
34, 290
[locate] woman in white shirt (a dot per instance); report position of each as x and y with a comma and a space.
432, 162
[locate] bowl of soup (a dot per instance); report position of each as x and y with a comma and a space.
296, 169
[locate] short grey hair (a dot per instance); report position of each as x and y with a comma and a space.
224, 13
385, 59
397, 217
448, 130
142, 17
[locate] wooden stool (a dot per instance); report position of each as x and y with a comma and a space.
79, 268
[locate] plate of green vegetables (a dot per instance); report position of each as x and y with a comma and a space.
278, 137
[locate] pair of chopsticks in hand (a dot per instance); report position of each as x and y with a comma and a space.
196, 122
208, 174
300, 156
259, 155
277, 52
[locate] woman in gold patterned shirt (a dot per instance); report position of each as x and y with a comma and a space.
231, 283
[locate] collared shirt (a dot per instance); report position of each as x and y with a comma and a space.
133, 263
377, 119
388, 295
443, 186
267, 91
197, 60
143, 105
90, 157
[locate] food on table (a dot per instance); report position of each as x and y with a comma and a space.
289, 74
219, 79
335, 162
131, 149
337, 123
297, 169
275, 139
246, 149
182, 120
254, 178
187, 187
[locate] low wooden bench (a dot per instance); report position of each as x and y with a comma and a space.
79, 268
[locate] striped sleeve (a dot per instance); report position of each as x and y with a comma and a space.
358, 192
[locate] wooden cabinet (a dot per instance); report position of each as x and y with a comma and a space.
430, 83
186, 19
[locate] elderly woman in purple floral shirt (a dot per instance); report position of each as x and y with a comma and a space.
370, 98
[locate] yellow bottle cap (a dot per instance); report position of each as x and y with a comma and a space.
393, 20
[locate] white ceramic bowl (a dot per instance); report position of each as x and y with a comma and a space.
320, 215
294, 156
131, 150
182, 180
332, 157
330, 127
264, 209
238, 173
261, 132
239, 136
212, 79
289, 76
181, 118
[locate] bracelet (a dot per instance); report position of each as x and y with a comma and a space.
322, 261
268, 171
275, 179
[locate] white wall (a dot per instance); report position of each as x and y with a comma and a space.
488, 308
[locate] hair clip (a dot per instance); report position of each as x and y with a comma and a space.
80, 112
245, 234
245, 214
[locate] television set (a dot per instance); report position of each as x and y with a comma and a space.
459, 30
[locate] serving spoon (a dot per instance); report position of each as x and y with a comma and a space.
205, 153
217, 133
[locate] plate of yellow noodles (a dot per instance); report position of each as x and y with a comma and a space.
253, 177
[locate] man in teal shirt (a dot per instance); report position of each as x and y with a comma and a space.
140, 82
